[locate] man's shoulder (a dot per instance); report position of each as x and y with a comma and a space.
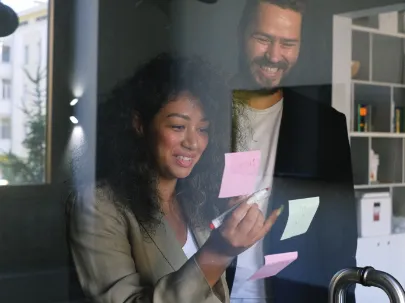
308, 103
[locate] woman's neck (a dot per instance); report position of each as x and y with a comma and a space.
166, 189
171, 209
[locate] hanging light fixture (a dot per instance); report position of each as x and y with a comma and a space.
8, 20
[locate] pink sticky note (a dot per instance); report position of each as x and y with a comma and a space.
240, 174
274, 264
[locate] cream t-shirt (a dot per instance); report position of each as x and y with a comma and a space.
259, 131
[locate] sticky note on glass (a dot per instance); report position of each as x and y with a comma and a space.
274, 264
301, 213
240, 173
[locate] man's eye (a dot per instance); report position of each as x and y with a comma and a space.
262, 39
204, 129
288, 45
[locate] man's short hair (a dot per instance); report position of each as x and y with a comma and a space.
251, 5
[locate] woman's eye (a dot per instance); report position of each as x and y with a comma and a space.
204, 129
177, 127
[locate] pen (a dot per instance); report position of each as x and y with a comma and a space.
256, 197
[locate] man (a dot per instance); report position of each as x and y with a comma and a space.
305, 153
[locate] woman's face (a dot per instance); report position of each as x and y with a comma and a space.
180, 136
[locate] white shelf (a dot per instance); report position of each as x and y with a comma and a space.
379, 185
377, 83
377, 135
376, 31
393, 235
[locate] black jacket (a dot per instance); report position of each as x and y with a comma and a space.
313, 160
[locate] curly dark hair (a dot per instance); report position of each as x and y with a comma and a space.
122, 156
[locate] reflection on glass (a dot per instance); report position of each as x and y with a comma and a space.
23, 95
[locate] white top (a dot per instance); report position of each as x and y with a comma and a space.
261, 128
191, 247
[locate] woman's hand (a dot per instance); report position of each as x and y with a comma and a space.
242, 229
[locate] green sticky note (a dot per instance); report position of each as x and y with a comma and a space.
301, 213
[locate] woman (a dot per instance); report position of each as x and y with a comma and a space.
141, 235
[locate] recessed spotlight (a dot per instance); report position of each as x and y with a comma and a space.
73, 119
74, 102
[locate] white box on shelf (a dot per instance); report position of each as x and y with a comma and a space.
374, 214
388, 22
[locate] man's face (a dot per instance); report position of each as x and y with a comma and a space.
271, 44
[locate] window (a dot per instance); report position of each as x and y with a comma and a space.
6, 89
25, 89
26, 54
5, 128
5, 54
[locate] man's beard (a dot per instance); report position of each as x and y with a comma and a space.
250, 81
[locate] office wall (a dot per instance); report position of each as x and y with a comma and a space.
131, 32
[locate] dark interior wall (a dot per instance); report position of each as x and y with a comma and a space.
33, 259
209, 30
131, 32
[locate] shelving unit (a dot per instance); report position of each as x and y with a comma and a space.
380, 82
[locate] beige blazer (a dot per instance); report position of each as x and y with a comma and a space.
116, 263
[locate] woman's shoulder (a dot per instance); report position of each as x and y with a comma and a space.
99, 200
